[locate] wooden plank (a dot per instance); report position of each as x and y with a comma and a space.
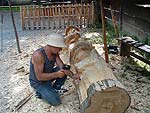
28, 15
51, 12
145, 48
23, 17
80, 15
31, 16
140, 58
48, 14
34, 17
73, 14
42, 17
54, 16
59, 16
70, 16
56, 13
63, 13
39, 17
68, 10
44, 14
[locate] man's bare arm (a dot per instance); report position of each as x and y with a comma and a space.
38, 61
59, 62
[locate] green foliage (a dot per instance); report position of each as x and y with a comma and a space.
111, 36
93, 37
8, 9
146, 40
96, 40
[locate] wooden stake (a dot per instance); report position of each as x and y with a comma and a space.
22, 102
104, 31
14, 26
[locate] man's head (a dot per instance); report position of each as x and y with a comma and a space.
56, 40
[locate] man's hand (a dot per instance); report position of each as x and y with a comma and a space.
61, 73
67, 72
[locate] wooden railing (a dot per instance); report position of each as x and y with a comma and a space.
57, 16
128, 45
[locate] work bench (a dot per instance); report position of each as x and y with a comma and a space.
128, 45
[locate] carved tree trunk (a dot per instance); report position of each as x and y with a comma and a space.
99, 91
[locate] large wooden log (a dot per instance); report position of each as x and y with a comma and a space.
99, 91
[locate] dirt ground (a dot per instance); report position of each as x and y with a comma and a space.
14, 84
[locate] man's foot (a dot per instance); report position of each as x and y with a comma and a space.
38, 95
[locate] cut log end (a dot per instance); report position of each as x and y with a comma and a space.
105, 100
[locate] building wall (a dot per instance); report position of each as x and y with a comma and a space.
135, 19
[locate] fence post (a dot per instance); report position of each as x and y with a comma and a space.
93, 12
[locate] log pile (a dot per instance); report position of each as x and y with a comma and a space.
99, 91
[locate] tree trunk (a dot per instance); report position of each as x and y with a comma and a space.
99, 91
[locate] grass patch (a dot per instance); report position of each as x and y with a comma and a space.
15, 9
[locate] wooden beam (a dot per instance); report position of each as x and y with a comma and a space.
104, 31
140, 58
114, 20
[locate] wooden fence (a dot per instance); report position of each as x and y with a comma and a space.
57, 16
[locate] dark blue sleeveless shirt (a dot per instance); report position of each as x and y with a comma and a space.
48, 67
